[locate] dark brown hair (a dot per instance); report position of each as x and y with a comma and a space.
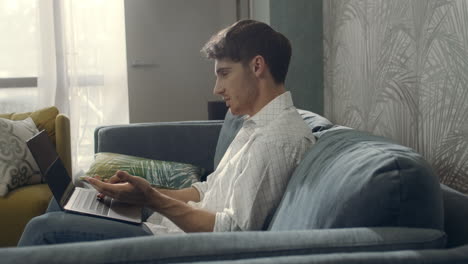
246, 39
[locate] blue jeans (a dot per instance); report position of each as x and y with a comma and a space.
57, 226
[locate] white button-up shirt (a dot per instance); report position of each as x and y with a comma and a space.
247, 186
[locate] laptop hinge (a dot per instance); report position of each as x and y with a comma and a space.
67, 194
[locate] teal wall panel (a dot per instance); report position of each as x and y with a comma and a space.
301, 22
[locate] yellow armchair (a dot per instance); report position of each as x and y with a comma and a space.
26, 202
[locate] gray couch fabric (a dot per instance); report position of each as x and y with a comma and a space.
195, 142
229, 246
192, 142
317, 123
231, 126
353, 179
451, 256
456, 216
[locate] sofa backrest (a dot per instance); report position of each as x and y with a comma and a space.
350, 178
232, 124
56, 125
43, 118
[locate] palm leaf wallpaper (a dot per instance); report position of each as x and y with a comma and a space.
400, 69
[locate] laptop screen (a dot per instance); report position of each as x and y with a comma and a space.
42, 150
51, 166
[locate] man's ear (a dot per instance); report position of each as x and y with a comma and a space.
258, 65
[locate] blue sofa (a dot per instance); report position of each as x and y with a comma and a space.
355, 198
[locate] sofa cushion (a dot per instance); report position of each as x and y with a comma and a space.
316, 122
7, 116
18, 207
166, 174
232, 124
43, 118
17, 166
354, 179
456, 215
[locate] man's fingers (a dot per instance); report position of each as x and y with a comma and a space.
129, 188
97, 184
100, 186
136, 181
97, 177
125, 177
121, 174
114, 179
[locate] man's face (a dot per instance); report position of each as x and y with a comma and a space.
236, 84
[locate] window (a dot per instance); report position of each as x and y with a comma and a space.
18, 55
67, 53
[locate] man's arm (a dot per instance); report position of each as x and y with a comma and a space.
186, 217
185, 195
170, 203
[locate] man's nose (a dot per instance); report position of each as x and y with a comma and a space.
217, 90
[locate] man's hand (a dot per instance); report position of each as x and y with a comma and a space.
131, 189
124, 187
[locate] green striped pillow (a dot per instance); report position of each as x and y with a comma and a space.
165, 174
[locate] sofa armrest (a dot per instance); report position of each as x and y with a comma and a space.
63, 140
192, 142
230, 246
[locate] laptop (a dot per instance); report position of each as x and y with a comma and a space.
71, 198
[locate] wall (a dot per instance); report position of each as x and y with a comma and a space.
168, 79
260, 10
301, 22
400, 69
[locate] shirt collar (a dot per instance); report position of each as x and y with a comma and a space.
270, 111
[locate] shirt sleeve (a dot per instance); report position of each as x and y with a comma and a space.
264, 173
201, 187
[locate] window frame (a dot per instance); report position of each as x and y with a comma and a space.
19, 82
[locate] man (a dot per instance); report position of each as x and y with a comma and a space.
251, 63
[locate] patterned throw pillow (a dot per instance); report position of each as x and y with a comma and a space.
17, 165
166, 174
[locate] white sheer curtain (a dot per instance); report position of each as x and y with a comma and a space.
47, 60
82, 68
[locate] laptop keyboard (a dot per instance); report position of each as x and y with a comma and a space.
88, 201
